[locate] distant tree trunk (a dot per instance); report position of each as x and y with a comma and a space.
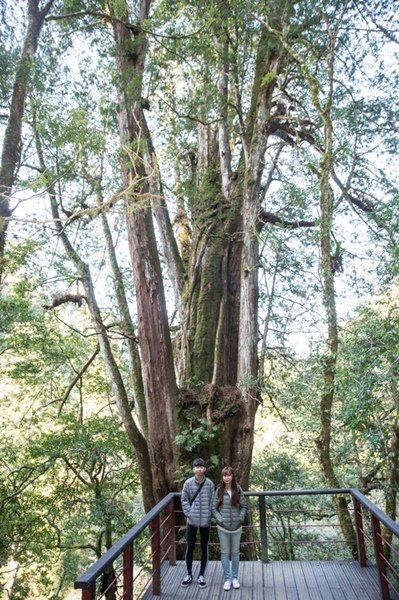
12, 144
323, 441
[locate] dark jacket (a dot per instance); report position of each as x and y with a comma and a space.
199, 512
228, 516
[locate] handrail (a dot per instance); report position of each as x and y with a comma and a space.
299, 492
375, 511
116, 550
124, 546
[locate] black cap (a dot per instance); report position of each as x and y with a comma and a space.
199, 462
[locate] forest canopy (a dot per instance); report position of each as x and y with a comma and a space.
198, 257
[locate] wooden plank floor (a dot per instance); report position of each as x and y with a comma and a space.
276, 581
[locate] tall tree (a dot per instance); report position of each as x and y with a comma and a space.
220, 335
153, 330
12, 144
210, 103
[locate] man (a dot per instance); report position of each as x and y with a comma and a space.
196, 501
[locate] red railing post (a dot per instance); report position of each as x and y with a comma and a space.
379, 557
156, 555
361, 549
263, 530
171, 533
128, 560
89, 593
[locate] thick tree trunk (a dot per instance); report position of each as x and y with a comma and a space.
156, 351
168, 241
12, 144
221, 330
153, 330
126, 322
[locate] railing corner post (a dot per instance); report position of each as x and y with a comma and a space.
89, 593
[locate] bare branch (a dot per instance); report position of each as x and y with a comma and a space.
78, 376
63, 299
363, 205
265, 216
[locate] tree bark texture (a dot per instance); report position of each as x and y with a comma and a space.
153, 330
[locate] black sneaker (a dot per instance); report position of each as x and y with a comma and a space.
186, 581
201, 581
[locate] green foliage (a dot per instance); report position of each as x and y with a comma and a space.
249, 381
268, 78
296, 524
368, 387
277, 469
64, 488
194, 437
8, 60
118, 8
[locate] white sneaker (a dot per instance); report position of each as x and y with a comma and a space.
227, 585
236, 584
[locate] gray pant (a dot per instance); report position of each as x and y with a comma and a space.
230, 550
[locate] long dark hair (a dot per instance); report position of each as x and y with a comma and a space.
235, 494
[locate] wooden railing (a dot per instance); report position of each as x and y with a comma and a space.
136, 560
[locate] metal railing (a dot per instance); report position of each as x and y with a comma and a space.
134, 568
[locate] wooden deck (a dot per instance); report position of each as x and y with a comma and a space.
277, 581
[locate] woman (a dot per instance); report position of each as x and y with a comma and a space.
229, 508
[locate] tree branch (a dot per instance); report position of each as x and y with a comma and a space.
134, 27
63, 299
364, 206
77, 378
265, 216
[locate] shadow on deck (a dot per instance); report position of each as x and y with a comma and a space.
288, 580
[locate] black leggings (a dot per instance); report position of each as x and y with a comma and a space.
204, 537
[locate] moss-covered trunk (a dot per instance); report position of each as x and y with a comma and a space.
323, 442
220, 332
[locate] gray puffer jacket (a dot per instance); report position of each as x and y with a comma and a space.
226, 515
199, 512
